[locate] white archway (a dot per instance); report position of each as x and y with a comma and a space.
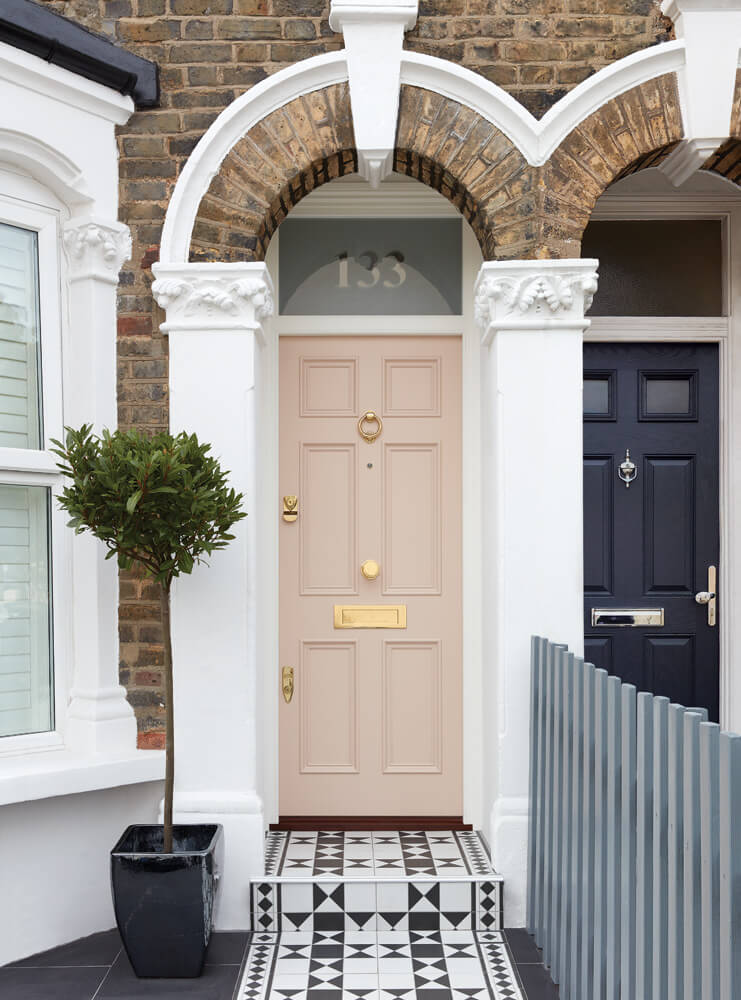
535, 139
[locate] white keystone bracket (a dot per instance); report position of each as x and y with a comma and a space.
711, 31
374, 35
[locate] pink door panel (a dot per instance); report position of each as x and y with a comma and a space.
374, 727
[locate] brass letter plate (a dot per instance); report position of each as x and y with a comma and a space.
628, 617
370, 616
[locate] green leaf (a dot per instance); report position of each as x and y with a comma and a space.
133, 501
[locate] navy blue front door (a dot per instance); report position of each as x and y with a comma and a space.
651, 515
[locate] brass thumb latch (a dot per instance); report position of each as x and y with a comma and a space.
290, 509
287, 683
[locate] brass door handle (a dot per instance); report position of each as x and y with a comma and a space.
287, 683
370, 569
709, 596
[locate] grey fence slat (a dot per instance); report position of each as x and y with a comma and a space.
547, 920
612, 838
660, 866
675, 849
587, 866
542, 665
532, 837
577, 831
567, 763
710, 858
628, 791
644, 844
557, 834
600, 835
730, 863
691, 909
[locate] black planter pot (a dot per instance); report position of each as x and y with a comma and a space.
164, 902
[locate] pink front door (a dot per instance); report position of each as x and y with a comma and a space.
374, 725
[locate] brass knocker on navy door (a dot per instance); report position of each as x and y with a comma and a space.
366, 424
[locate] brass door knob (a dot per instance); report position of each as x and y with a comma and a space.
370, 569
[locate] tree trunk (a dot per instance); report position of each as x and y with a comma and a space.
170, 719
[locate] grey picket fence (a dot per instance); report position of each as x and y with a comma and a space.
634, 875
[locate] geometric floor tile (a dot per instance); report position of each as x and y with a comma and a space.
383, 965
355, 854
348, 881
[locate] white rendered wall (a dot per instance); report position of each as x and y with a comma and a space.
54, 865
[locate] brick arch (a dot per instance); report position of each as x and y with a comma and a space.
310, 141
633, 131
515, 209
453, 149
296, 148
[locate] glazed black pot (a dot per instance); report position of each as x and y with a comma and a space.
164, 902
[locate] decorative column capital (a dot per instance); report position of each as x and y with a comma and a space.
534, 295
204, 296
96, 249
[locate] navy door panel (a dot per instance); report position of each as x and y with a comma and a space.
648, 544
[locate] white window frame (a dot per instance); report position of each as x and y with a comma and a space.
27, 205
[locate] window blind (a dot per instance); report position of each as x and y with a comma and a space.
25, 660
19, 339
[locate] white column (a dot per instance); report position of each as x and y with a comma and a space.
99, 718
532, 317
214, 321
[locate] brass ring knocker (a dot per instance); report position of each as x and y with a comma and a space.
370, 416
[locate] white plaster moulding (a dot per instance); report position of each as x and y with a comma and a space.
46, 164
226, 130
538, 139
29, 71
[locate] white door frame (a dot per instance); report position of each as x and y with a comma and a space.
350, 198
725, 331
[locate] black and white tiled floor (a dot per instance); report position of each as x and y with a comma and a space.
380, 881
390, 965
375, 855
377, 916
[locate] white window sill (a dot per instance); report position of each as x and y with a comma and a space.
60, 772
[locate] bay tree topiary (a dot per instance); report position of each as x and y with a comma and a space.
161, 503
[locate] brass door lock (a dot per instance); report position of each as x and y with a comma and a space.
290, 508
286, 683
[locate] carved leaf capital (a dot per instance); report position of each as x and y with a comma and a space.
94, 248
219, 297
547, 294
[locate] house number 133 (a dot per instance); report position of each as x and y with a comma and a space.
389, 269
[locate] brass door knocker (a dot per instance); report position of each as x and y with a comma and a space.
370, 417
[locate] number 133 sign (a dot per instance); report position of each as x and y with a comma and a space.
388, 269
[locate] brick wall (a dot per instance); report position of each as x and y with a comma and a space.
209, 51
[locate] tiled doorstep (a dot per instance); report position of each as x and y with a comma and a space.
282, 904
377, 966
